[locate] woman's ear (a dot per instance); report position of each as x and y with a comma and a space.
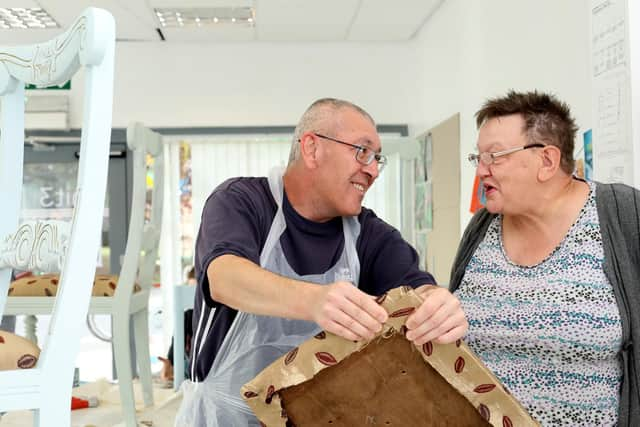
550, 162
309, 149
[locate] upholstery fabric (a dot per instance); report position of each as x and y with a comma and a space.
17, 352
46, 285
387, 380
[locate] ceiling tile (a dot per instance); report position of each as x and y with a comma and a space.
276, 20
221, 33
168, 4
304, 20
383, 20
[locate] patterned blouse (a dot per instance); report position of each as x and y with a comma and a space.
551, 332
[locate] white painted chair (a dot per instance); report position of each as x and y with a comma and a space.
183, 298
140, 256
46, 246
126, 306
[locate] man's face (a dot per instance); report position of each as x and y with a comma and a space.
343, 179
508, 179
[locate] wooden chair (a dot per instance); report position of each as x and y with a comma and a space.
129, 303
70, 248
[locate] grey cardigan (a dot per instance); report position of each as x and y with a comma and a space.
619, 214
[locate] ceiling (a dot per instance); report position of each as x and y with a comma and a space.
275, 20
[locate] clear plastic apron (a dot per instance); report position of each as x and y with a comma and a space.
254, 342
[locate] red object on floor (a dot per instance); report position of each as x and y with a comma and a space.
78, 403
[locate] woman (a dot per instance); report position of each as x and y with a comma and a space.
549, 272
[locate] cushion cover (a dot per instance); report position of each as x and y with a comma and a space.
46, 285
17, 352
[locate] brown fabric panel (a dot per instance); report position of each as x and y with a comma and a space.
385, 384
366, 379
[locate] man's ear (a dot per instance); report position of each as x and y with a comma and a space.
309, 149
551, 156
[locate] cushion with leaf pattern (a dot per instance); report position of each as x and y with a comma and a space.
17, 352
46, 285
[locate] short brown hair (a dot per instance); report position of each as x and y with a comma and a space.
547, 120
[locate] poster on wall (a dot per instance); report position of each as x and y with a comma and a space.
478, 199
584, 158
424, 206
424, 163
611, 85
421, 248
419, 172
428, 157
419, 205
588, 155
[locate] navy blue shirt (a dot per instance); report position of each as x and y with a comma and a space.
236, 220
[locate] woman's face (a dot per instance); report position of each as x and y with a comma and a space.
508, 181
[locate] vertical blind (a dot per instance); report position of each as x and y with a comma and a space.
212, 162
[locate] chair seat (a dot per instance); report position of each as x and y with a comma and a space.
46, 285
17, 352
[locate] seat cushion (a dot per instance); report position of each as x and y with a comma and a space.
46, 285
386, 381
17, 352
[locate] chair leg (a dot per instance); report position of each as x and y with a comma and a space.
141, 332
122, 356
55, 410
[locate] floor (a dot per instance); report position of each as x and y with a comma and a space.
108, 413
94, 365
94, 361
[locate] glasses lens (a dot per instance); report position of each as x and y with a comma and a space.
364, 155
486, 158
473, 159
382, 162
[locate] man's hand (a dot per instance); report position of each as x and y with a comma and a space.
344, 310
440, 318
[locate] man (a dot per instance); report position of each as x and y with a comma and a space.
278, 259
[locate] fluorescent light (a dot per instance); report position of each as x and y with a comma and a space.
31, 18
201, 17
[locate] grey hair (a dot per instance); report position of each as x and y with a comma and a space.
319, 117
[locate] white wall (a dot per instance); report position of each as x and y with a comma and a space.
472, 50
468, 51
241, 84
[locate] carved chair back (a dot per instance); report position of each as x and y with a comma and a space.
47, 245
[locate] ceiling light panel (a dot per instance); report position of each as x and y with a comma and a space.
26, 18
205, 17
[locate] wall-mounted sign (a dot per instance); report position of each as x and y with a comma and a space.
64, 86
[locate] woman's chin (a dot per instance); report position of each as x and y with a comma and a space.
493, 207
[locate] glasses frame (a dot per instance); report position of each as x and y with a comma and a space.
381, 159
488, 159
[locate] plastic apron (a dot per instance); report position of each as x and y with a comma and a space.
254, 342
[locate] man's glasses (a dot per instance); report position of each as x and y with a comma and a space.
364, 155
488, 158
